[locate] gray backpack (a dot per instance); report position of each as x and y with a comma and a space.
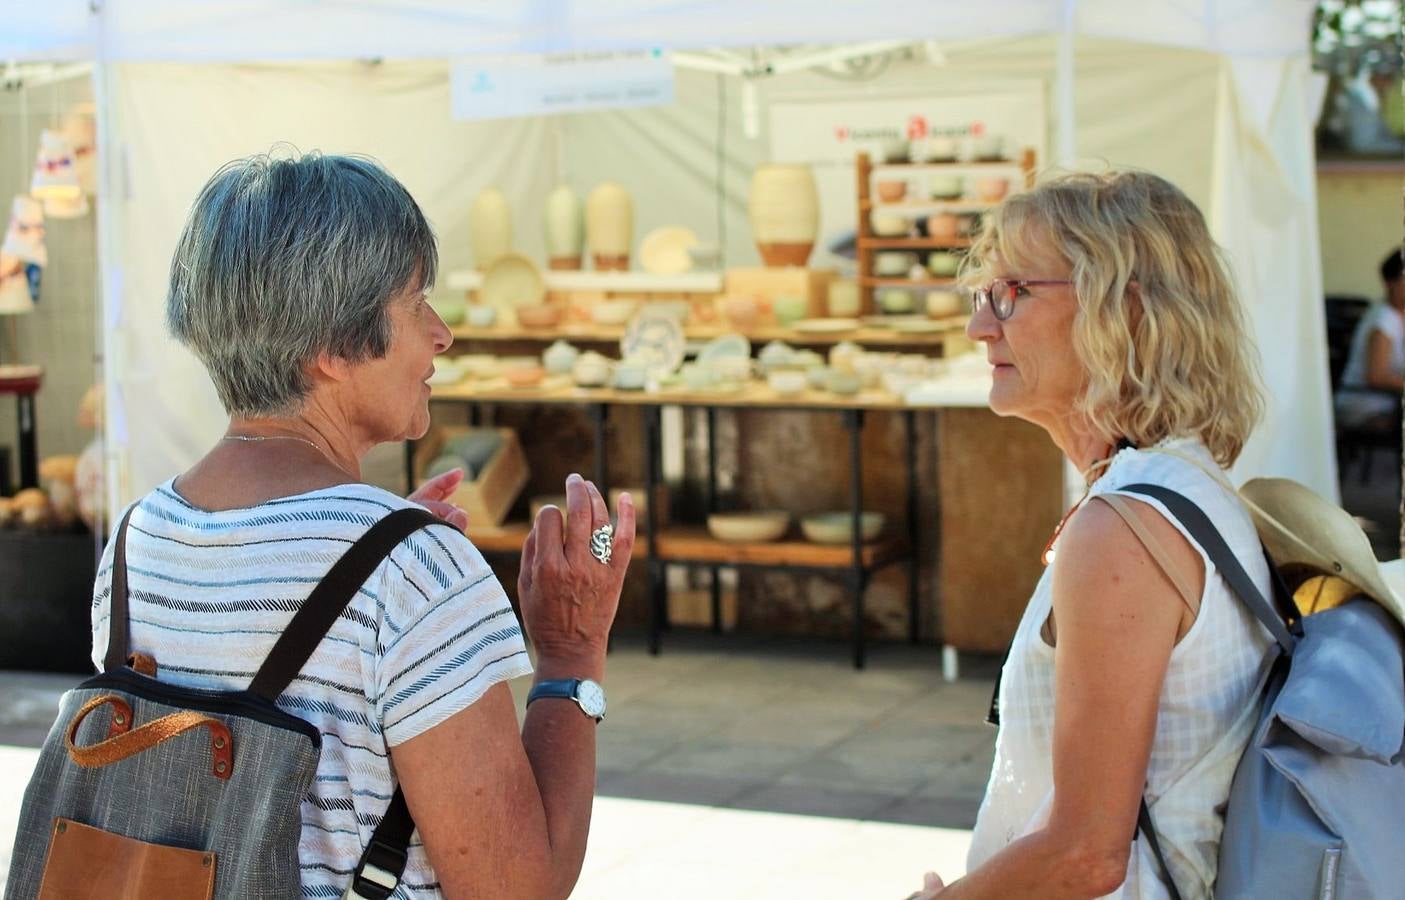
1317, 806
145, 790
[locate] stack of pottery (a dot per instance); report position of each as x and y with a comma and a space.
784, 207
609, 226
565, 229
489, 228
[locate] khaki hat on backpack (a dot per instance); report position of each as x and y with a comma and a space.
1317, 546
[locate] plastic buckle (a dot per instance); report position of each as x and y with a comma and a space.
379, 873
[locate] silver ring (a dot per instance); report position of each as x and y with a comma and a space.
602, 543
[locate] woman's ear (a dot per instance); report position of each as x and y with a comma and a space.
328, 367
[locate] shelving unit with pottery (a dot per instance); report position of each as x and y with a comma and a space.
915, 222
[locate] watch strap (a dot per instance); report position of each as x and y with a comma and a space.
561, 688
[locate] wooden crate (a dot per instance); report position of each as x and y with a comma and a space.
488, 498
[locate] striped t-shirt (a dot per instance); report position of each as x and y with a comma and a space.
427, 634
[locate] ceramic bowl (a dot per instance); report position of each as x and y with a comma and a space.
787, 381
896, 300
891, 190
945, 187
540, 316
450, 311
943, 263
612, 312
892, 265
889, 224
943, 227
742, 312
896, 150
943, 303
838, 527
988, 147
630, 376
591, 370
525, 377
479, 365
775, 353
748, 527
698, 377
482, 316
941, 149
789, 308
992, 190
842, 383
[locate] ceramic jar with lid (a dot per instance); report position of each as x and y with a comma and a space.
565, 228
489, 227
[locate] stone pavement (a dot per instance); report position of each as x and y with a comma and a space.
735, 766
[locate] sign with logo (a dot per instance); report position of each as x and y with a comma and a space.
828, 132
512, 86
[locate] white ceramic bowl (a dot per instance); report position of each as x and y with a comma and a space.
748, 527
787, 381
612, 312
837, 527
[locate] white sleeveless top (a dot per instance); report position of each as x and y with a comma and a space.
1206, 711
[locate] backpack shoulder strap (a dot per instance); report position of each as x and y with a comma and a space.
1209, 537
118, 624
332, 594
1153, 546
1146, 828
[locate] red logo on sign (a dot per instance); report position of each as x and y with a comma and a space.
916, 128
841, 133
977, 128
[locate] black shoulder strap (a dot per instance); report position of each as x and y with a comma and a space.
1208, 536
332, 594
118, 624
1144, 824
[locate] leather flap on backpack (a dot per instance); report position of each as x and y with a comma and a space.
1343, 693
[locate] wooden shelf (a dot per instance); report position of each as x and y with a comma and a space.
927, 207
982, 166
691, 544
611, 334
606, 282
881, 281
914, 243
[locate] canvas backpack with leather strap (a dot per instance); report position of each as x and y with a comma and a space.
1315, 806
146, 790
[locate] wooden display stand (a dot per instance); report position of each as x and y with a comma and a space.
488, 498
766, 283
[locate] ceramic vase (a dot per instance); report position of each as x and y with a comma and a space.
489, 227
784, 207
609, 226
565, 228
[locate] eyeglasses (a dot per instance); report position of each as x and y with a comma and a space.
1001, 294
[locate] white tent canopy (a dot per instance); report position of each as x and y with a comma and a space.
178, 102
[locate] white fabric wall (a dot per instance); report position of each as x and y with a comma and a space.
1138, 105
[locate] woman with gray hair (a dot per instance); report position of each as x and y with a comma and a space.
1110, 320
300, 283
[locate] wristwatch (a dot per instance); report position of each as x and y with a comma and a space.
589, 695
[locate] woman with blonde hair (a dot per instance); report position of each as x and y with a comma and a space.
1111, 322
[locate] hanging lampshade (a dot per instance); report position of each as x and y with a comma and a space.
66, 208
24, 239
81, 129
55, 173
15, 298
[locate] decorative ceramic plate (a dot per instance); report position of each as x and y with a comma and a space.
654, 340
512, 280
825, 326
664, 251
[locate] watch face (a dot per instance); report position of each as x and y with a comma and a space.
591, 697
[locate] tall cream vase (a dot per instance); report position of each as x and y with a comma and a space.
785, 213
565, 228
489, 227
609, 226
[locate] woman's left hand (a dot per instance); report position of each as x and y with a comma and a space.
931, 886
434, 494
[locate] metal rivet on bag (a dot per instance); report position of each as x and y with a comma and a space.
219, 743
206, 860
120, 719
61, 827
220, 766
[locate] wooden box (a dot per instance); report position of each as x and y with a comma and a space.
488, 498
768, 283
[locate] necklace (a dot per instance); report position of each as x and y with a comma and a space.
1047, 557
252, 438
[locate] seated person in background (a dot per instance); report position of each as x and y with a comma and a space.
1375, 368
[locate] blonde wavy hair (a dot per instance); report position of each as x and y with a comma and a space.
1159, 330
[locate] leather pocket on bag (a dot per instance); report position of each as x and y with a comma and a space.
85, 863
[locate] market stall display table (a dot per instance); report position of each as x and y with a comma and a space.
24, 382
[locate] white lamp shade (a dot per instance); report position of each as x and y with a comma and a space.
14, 287
25, 238
55, 172
81, 129
67, 207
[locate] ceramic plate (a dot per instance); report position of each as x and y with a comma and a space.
654, 339
512, 280
664, 251
825, 326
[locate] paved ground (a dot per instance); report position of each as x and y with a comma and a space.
735, 766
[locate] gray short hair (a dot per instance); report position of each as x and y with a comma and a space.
283, 259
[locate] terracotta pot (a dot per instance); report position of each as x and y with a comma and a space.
565, 226
489, 227
564, 263
742, 312
605, 263
784, 207
609, 225
891, 191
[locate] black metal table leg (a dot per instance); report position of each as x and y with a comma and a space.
28, 442
599, 413
858, 576
914, 532
475, 415
715, 584
658, 598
